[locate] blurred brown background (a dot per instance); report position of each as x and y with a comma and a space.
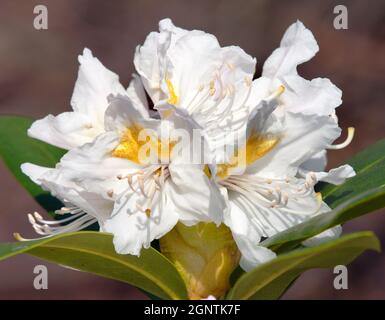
38, 70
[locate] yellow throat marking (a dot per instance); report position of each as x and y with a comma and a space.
129, 146
257, 146
173, 99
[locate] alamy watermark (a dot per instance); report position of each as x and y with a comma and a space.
341, 280
150, 147
40, 281
40, 21
341, 19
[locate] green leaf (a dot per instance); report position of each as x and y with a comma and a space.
94, 252
370, 173
269, 280
16, 148
353, 208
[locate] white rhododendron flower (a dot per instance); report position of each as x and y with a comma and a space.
107, 181
302, 122
191, 71
267, 196
264, 146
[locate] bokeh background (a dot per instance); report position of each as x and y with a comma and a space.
38, 70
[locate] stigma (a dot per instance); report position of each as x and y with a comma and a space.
347, 141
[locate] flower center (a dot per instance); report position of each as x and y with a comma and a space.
143, 146
129, 145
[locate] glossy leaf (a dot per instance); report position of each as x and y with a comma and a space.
16, 148
270, 280
369, 165
94, 252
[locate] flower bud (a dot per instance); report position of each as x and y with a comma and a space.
205, 255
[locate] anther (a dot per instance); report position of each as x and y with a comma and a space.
31, 219
248, 81
37, 215
212, 88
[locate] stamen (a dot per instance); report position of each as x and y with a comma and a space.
31, 219
230, 65
129, 180
18, 237
141, 185
212, 88
269, 193
40, 219
344, 144
77, 221
65, 210
248, 81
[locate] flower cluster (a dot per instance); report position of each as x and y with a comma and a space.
264, 139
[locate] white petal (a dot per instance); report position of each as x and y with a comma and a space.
193, 195
192, 63
166, 25
132, 229
94, 84
150, 58
122, 114
297, 46
334, 176
60, 185
93, 168
318, 96
255, 256
34, 172
303, 137
266, 220
247, 236
137, 95
67, 130
316, 163
261, 89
